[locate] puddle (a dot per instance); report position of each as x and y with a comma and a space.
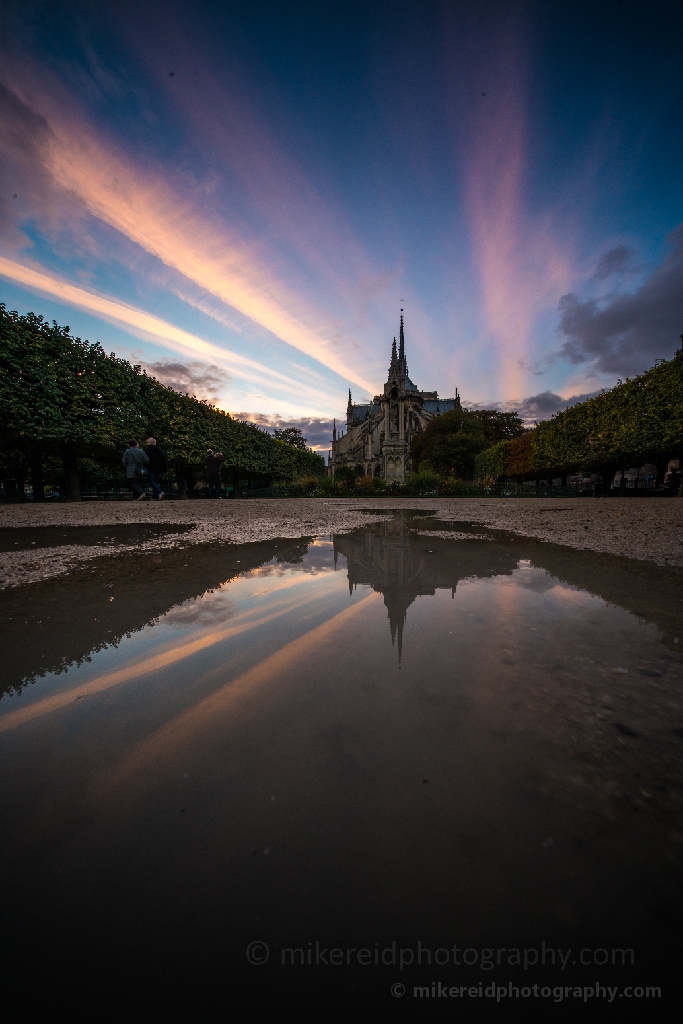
397, 738
25, 538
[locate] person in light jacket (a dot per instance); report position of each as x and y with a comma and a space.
135, 461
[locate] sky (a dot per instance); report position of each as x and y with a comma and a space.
242, 197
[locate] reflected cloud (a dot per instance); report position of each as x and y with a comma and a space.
154, 663
193, 721
206, 610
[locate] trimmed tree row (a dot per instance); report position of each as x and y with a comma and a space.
61, 397
638, 421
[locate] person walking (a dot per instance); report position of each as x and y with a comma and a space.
213, 471
135, 461
158, 464
672, 482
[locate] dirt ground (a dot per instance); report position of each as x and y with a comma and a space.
40, 541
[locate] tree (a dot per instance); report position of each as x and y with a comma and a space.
291, 435
66, 398
345, 474
640, 420
499, 426
449, 443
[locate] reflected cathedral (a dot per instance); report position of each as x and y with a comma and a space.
402, 563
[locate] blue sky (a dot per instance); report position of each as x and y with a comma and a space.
242, 196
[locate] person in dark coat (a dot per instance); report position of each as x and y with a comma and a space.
158, 464
672, 482
213, 471
135, 461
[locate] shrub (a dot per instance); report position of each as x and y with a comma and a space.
424, 482
309, 483
345, 474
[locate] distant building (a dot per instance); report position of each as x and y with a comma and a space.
378, 435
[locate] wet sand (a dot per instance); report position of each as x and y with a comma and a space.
648, 529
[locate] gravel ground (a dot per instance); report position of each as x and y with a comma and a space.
650, 529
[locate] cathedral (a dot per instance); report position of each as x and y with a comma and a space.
378, 435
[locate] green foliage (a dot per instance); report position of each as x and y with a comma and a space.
490, 462
449, 444
424, 482
66, 397
518, 460
499, 426
640, 420
345, 474
293, 436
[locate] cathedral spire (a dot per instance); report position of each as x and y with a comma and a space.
402, 361
334, 430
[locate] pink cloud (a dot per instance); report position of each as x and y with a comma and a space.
522, 261
175, 221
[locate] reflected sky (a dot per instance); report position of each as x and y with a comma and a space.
389, 732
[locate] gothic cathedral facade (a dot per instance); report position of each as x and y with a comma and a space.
378, 434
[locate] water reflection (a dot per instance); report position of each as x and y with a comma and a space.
400, 560
255, 763
57, 623
406, 557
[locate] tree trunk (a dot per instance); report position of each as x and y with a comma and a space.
21, 478
9, 482
37, 482
235, 476
190, 481
72, 490
181, 478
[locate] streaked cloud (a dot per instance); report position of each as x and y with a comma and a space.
522, 258
150, 327
172, 219
291, 184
